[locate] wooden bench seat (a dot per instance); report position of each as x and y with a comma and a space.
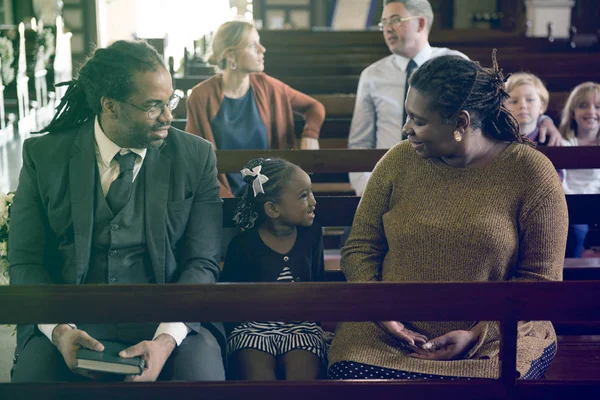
504, 302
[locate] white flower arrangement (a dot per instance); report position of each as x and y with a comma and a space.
7, 55
6, 201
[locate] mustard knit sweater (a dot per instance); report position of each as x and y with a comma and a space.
424, 221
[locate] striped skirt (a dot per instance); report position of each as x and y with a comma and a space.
277, 338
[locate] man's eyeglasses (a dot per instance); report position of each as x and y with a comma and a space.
395, 21
156, 110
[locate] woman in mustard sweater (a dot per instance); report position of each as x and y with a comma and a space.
243, 108
465, 199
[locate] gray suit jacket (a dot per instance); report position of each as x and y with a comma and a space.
54, 204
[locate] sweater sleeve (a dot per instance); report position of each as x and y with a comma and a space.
366, 248
196, 115
233, 265
543, 238
310, 109
542, 242
318, 257
198, 123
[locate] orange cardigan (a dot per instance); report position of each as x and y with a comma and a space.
276, 104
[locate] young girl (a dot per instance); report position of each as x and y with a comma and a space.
280, 243
527, 103
580, 126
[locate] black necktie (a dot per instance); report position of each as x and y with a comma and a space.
409, 70
120, 190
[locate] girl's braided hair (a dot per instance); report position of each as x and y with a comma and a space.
452, 80
250, 210
107, 72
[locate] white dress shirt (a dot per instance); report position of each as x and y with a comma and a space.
109, 170
580, 181
379, 108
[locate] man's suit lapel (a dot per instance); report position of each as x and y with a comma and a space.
157, 174
82, 174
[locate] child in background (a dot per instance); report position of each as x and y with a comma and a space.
580, 126
280, 243
527, 103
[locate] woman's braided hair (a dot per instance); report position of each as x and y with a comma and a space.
250, 210
107, 73
452, 80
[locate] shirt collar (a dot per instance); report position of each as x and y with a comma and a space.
419, 59
108, 149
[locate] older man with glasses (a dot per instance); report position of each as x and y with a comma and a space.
114, 195
379, 113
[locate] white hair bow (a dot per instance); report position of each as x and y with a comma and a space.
258, 180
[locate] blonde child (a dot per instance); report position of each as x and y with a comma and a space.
580, 126
527, 103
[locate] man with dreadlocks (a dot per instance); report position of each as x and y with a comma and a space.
113, 194
465, 199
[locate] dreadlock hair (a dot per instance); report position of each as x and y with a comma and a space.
449, 81
250, 211
107, 73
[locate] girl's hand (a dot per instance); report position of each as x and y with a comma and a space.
397, 330
451, 346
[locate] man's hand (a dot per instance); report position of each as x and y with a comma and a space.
307, 143
68, 340
154, 352
547, 127
397, 330
451, 346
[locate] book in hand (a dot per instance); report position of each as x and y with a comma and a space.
109, 360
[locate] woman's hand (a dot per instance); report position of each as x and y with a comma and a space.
399, 331
451, 346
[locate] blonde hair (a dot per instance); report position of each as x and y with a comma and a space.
568, 126
524, 78
232, 35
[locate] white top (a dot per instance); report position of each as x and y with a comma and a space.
379, 108
580, 181
109, 170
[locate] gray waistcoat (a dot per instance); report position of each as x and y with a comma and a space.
119, 256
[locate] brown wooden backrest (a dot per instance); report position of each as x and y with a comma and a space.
506, 302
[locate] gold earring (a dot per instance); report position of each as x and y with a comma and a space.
457, 135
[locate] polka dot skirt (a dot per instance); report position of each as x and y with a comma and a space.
354, 370
540, 365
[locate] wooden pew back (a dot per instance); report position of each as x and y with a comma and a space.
505, 302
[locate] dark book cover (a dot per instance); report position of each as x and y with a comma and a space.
109, 360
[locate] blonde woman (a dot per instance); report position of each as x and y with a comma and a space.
580, 126
528, 101
244, 108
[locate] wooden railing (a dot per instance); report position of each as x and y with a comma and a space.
505, 302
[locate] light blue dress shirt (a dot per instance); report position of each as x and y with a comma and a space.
377, 117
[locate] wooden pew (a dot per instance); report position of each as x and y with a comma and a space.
456, 38
312, 85
505, 302
339, 109
339, 211
364, 160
